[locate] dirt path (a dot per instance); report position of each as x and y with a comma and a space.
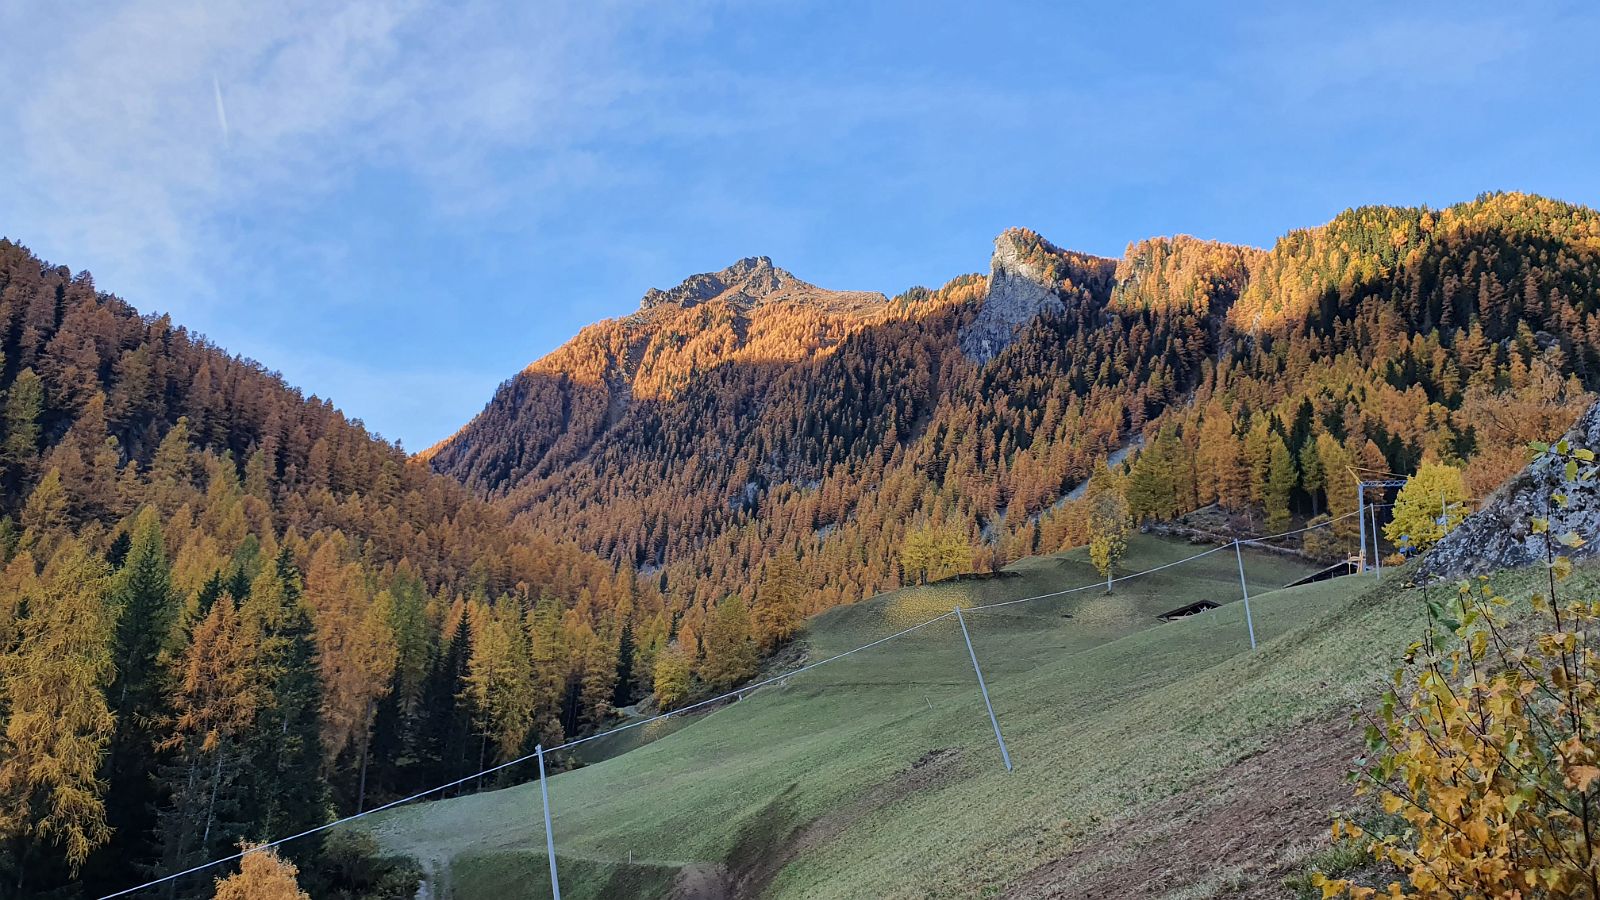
1237, 834
760, 858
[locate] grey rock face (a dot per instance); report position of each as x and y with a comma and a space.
751, 282
1500, 536
1018, 292
746, 282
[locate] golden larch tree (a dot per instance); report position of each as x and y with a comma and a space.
1430, 505
55, 679
730, 651
1339, 484
356, 649
672, 677
215, 696
262, 875
1109, 523
500, 679
780, 601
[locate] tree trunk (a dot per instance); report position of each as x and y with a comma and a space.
211, 806
185, 825
361, 791
24, 851
366, 744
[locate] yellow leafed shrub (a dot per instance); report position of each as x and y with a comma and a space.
1487, 747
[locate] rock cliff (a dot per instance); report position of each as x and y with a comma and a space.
1500, 535
1019, 291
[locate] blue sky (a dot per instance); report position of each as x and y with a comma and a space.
399, 203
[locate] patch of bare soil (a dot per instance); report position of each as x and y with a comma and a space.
1238, 834
707, 881
775, 837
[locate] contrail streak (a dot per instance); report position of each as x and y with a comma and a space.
222, 112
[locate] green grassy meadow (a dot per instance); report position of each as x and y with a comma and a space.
1104, 708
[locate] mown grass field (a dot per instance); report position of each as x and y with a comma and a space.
1103, 707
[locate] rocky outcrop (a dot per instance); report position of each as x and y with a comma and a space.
1500, 535
1020, 289
751, 282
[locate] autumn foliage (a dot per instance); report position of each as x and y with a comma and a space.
229, 612
1384, 339
1488, 746
1109, 523
262, 875
1432, 503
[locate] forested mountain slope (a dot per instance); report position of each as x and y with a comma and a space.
227, 611
1254, 378
750, 312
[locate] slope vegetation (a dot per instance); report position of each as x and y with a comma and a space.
218, 594
1169, 761
1254, 378
807, 787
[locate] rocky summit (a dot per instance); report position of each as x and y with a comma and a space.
1018, 293
751, 282
1026, 275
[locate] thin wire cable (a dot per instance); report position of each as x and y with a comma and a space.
1089, 587
1098, 584
521, 759
677, 712
310, 831
1393, 476
757, 686
1273, 537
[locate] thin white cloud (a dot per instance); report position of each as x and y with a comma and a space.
554, 128
125, 163
1330, 55
146, 138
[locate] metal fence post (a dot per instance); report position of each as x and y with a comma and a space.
1361, 522
549, 838
1004, 753
1377, 552
1249, 622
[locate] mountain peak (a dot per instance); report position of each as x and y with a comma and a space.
1019, 290
1027, 275
746, 283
